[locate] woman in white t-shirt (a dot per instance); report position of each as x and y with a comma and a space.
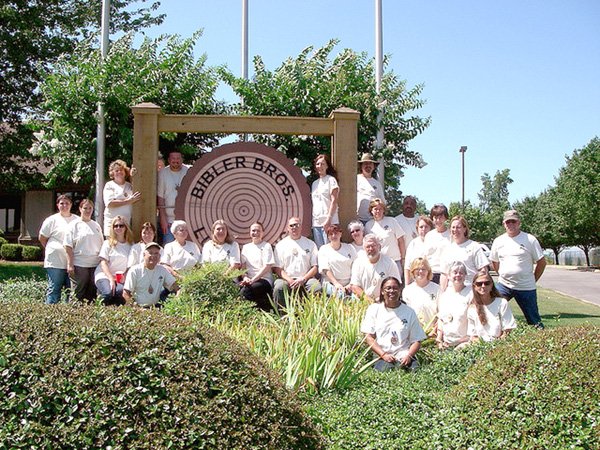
82, 243
421, 295
181, 254
118, 194
335, 264
52, 236
324, 193
147, 235
417, 248
357, 233
388, 231
257, 259
452, 309
221, 247
110, 273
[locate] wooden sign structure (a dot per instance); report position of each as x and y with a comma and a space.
149, 122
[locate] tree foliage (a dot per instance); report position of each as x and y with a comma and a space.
314, 84
163, 71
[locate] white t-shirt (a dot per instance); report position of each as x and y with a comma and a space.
181, 257
146, 285
423, 300
113, 191
416, 249
339, 262
395, 329
435, 244
409, 225
54, 228
469, 253
228, 252
116, 257
367, 189
257, 256
388, 231
85, 238
368, 276
517, 257
321, 200
296, 256
168, 183
499, 318
452, 314
359, 249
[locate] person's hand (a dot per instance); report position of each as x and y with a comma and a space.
246, 282
71, 270
135, 197
389, 358
442, 345
113, 284
164, 225
297, 282
133, 171
406, 361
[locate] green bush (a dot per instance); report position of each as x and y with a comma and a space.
31, 253
539, 392
23, 290
11, 252
97, 377
3, 241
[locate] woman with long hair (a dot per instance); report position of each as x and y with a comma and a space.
82, 243
324, 193
110, 273
221, 246
147, 235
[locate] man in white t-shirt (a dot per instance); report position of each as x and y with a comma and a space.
169, 180
145, 282
408, 219
519, 260
296, 259
370, 269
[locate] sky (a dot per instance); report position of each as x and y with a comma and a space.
517, 82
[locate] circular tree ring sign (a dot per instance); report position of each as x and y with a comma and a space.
243, 183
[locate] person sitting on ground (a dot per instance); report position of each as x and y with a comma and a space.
357, 233
392, 329
52, 236
145, 282
147, 235
389, 232
180, 254
369, 269
422, 294
417, 248
83, 241
110, 273
335, 264
452, 309
222, 247
257, 260
296, 261
118, 195
489, 315
437, 240
324, 194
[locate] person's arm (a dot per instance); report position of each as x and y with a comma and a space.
407, 276
371, 341
109, 275
443, 282
333, 280
43, 240
265, 270
70, 259
136, 196
357, 290
496, 265
303, 279
333, 205
540, 266
128, 297
162, 214
412, 351
402, 248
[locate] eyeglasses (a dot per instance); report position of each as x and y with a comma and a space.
119, 225
482, 283
294, 225
355, 231
391, 288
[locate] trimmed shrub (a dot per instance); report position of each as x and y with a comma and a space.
20, 290
11, 252
31, 253
97, 377
3, 241
539, 392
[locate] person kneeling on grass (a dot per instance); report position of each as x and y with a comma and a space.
146, 281
392, 329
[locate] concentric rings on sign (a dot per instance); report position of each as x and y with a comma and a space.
243, 183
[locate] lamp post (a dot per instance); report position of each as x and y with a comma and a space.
462, 151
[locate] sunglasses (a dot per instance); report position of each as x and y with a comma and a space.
510, 221
482, 283
355, 231
294, 225
119, 225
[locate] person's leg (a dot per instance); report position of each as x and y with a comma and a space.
383, 366
91, 292
505, 292
319, 236
280, 289
259, 293
168, 236
105, 291
77, 283
313, 286
57, 279
527, 301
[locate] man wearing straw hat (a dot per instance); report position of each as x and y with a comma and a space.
367, 187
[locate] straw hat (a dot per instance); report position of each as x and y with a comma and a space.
366, 157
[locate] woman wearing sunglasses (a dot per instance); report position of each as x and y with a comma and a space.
489, 315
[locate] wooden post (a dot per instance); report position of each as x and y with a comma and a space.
145, 154
344, 150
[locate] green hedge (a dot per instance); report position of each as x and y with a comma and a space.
12, 252
31, 253
97, 377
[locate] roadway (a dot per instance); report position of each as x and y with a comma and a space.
572, 282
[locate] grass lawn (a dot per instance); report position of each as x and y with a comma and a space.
21, 270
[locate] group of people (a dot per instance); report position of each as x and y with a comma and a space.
423, 275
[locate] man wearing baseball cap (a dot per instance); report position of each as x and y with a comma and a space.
518, 258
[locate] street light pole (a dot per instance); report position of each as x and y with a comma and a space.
462, 150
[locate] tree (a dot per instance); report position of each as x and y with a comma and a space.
493, 201
475, 218
163, 71
314, 84
577, 196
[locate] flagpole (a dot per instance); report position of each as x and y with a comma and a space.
378, 77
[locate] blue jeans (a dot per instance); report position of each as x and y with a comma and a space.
527, 301
57, 279
168, 237
319, 236
108, 298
